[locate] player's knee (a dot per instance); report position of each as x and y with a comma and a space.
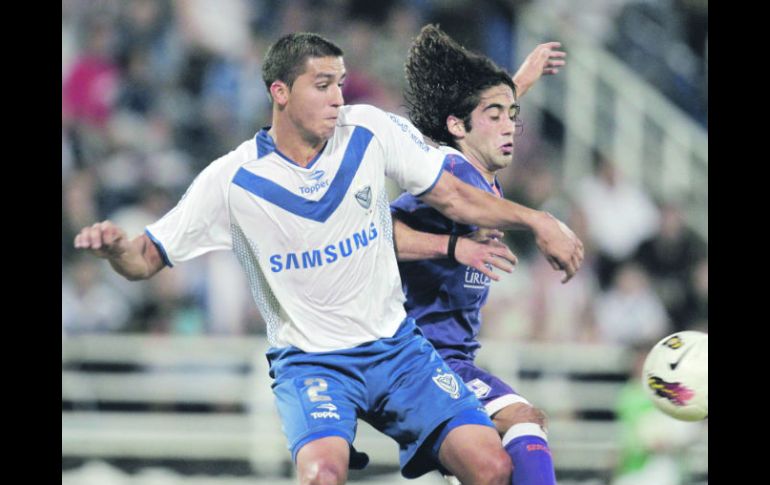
518, 414
537, 416
324, 472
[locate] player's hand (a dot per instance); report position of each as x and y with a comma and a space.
560, 246
485, 255
103, 239
544, 59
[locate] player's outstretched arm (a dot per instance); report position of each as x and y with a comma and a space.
544, 59
466, 204
137, 259
477, 250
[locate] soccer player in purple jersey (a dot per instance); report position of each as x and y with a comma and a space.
470, 107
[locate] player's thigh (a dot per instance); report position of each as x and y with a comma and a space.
474, 454
418, 400
323, 461
500, 400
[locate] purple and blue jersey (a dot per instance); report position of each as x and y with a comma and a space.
444, 297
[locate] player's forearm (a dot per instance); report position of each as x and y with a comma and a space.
412, 245
522, 81
521, 86
466, 204
476, 207
138, 261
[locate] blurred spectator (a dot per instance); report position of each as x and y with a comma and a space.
167, 165
78, 208
655, 39
221, 28
620, 216
228, 299
172, 302
89, 305
670, 257
89, 89
152, 204
461, 20
361, 85
146, 28
137, 94
693, 314
507, 315
564, 312
498, 31
630, 312
233, 94
212, 32
143, 156
533, 183
90, 81
594, 18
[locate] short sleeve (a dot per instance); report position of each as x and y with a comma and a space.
200, 222
413, 164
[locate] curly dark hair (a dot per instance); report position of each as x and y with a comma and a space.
443, 78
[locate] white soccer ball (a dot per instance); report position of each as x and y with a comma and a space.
676, 375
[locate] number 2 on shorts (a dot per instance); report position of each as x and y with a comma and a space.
313, 392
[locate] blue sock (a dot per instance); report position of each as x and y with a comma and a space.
531, 457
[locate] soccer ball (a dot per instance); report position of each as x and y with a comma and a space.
676, 375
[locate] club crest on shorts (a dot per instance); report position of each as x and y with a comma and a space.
364, 197
447, 383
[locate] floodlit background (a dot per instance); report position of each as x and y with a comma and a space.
164, 381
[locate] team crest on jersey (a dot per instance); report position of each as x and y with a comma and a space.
364, 197
447, 383
480, 388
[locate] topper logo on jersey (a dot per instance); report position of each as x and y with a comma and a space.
315, 183
329, 254
447, 383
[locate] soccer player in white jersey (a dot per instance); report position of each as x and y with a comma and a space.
303, 206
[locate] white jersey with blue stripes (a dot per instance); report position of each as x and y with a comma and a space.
315, 242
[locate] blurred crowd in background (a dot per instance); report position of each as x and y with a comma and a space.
154, 90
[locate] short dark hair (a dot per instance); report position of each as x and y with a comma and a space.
285, 59
443, 78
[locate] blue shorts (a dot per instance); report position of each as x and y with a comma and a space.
399, 385
493, 393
